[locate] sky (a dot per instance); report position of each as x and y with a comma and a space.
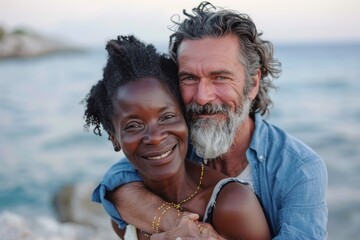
93, 22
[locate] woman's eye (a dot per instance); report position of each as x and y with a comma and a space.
169, 116
131, 126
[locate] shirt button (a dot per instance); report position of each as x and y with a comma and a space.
261, 157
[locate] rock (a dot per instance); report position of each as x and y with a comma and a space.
26, 43
78, 219
72, 204
17, 227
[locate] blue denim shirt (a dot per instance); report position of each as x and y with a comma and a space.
290, 180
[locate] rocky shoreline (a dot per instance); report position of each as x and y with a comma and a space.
14, 226
77, 219
20, 43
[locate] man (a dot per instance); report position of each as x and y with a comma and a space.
225, 74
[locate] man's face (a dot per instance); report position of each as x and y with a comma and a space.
212, 83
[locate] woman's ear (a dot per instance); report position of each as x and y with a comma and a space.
115, 142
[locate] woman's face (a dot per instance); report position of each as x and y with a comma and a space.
150, 128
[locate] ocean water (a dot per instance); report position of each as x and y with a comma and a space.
43, 144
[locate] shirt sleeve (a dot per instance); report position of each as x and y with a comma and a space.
303, 214
119, 174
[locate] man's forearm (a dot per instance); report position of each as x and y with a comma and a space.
138, 206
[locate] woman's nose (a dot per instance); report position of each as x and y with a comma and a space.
154, 135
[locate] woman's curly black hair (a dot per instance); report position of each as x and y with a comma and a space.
128, 60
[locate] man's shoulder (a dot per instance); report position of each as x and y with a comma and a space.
283, 142
291, 146
280, 148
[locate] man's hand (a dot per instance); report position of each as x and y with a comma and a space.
188, 228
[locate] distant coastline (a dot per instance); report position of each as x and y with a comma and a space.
21, 42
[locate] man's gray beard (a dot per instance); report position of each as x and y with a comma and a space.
211, 137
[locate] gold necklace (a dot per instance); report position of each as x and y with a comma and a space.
167, 205
178, 205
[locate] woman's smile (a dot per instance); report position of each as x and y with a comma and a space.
164, 155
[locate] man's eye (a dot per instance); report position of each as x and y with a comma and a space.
220, 78
188, 78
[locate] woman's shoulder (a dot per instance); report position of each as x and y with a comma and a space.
228, 196
234, 194
238, 213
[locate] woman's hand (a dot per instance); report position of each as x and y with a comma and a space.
188, 228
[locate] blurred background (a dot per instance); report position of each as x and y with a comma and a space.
52, 52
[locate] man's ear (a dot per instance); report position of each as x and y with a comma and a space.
115, 142
255, 84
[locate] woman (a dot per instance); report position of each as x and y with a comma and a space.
138, 104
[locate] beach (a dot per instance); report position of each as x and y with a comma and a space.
44, 146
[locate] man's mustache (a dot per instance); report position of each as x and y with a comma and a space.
207, 109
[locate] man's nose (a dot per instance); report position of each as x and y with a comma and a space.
205, 92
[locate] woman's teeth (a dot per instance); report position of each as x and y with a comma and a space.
161, 156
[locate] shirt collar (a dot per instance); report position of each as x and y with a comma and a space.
259, 141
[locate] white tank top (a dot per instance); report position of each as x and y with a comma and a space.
246, 176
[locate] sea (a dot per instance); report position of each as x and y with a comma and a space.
44, 145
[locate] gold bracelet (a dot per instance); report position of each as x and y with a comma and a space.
146, 234
157, 219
